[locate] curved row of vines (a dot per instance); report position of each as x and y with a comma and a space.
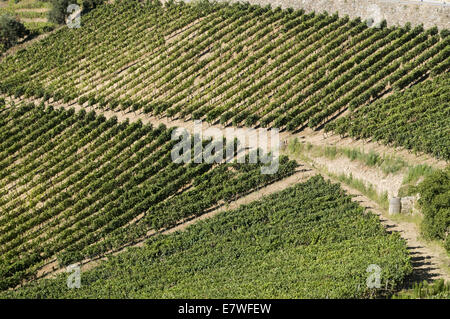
77, 185
307, 241
417, 119
237, 64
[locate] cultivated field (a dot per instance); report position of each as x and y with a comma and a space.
33, 13
87, 174
308, 241
228, 63
76, 185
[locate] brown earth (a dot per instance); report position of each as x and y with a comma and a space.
34, 19
429, 262
38, 10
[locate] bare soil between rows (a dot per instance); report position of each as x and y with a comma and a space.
429, 262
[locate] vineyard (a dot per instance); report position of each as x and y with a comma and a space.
75, 185
418, 119
225, 63
308, 241
87, 174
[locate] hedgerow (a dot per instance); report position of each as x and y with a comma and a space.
434, 201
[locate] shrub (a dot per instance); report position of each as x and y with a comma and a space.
89, 5
58, 13
11, 30
435, 203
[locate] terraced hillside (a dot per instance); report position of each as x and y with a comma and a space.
75, 185
308, 241
33, 13
79, 186
417, 119
227, 63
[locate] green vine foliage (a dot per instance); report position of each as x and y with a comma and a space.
417, 119
307, 241
435, 203
58, 12
11, 31
77, 185
234, 64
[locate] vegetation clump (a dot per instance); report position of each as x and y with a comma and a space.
434, 200
58, 13
11, 31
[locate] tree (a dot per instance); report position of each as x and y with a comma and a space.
435, 203
58, 13
89, 5
11, 30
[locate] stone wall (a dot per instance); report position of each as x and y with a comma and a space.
396, 12
408, 205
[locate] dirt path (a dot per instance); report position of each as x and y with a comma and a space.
34, 19
38, 10
307, 135
429, 262
302, 174
370, 175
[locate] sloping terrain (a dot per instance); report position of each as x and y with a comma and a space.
33, 13
227, 63
75, 185
307, 241
417, 119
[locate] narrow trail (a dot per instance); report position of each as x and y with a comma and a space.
37, 10
318, 138
429, 262
302, 174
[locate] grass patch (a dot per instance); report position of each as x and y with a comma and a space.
364, 188
387, 163
424, 290
417, 172
413, 176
